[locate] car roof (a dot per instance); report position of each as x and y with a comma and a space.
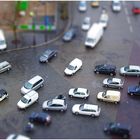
34, 79
134, 67
4, 63
116, 80
90, 107
122, 126
81, 90
113, 92
1, 35
75, 61
30, 94
58, 101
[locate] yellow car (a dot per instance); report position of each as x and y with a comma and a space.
95, 3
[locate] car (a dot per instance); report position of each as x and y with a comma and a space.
17, 137
60, 96
104, 18
134, 90
136, 7
86, 23
109, 96
47, 55
5, 66
40, 117
55, 104
33, 84
79, 92
28, 99
118, 129
116, 5
95, 3
130, 70
105, 69
3, 44
70, 34
3, 94
113, 82
82, 6
73, 66
86, 109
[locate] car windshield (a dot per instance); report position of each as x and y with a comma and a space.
137, 88
81, 107
75, 90
86, 21
47, 53
24, 100
116, 3
90, 40
70, 67
28, 85
49, 103
109, 80
2, 42
68, 34
126, 68
104, 94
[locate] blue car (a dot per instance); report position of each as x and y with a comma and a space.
134, 90
40, 117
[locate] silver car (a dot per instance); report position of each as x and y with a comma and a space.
132, 70
55, 104
113, 83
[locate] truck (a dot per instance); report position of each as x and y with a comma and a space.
94, 34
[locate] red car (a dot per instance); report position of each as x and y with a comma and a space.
136, 7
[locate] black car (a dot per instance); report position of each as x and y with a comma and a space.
118, 129
105, 69
70, 34
40, 117
47, 55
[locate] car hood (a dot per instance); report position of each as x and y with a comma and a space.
75, 108
68, 71
44, 105
122, 70
105, 81
71, 91
99, 95
21, 105
25, 90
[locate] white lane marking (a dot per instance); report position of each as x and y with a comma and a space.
128, 17
131, 29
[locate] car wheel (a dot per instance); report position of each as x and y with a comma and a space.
55, 55
85, 98
71, 96
92, 115
41, 85
97, 72
46, 61
37, 100
115, 102
131, 94
125, 136
111, 74
62, 110
106, 85
76, 113
8, 69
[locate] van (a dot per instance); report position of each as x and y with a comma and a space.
28, 99
33, 84
4, 66
3, 45
109, 96
94, 34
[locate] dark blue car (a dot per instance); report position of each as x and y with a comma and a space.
134, 90
40, 117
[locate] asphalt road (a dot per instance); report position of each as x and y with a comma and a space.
119, 46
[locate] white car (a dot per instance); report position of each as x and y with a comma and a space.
28, 99
109, 96
116, 5
17, 137
86, 23
55, 104
79, 92
33, 84
82, 6
113, 82
73, 67
86, 109
104, 19
132, 70
3, 44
